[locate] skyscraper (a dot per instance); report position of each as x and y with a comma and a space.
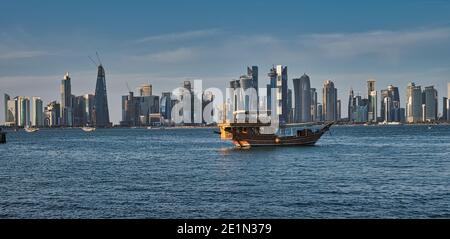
302, 91
413, 103
101, 111
244, 96
166, 106
424, 113
430, 100
130, 110
448, 109
313, 104
89, 104
290, 118
5, 102
252, 72
372, 96
359, 114
23, 111
319, 112
338, 110
329, 101
145, 90
279, 80
11, 112
52, 115
246, 82
351, 105
235, 95
269, 88
83, 110
138, 110
390, 104
188, 86
448, 102
37, 112
66, 101
445, 108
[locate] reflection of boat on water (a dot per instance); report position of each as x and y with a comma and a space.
31, 129
246, 135
88, 129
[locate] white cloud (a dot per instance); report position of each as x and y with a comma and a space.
386, 43
11, 55
178, 36
170, 56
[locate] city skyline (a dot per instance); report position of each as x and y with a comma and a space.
201, 41
420, 106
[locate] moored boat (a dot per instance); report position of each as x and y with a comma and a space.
88, 129
246, 135
31, 129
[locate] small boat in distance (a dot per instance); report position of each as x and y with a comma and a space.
31, 129
390, 123
155, 127
88, 129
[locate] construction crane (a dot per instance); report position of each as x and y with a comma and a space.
98, 57
95, 63
129, 90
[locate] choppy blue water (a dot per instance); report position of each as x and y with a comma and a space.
356, 172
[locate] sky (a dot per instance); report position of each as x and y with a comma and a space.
166, 42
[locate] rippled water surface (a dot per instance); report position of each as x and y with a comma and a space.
354, 172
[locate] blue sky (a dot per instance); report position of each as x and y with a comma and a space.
166, 42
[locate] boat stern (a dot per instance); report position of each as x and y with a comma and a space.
224, 134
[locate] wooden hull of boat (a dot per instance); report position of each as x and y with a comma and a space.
272, 140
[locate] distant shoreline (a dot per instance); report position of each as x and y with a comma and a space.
119, 127
215, 127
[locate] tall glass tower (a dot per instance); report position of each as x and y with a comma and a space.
66, 101
252, 72
351, 105
448, 102
390, 104
430, 100
101, 111
372, 95
302, 91
413, 103
279, 80
313, 104
329, 101
5, 102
